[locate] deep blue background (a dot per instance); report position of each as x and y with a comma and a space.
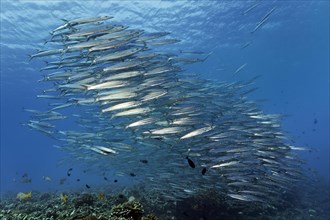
290, 52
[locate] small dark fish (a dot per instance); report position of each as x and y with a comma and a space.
203, 171
115, 181
315, 121
62, 181
263, 20
105, 178
121, 196
144, 161
69, 172
87, 186
250, 8
246, 45
132, 174
191, 163
26, 180
78, 180
25, 175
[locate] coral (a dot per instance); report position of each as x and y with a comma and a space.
92, 218
84, 199
149, 217
128, 210
45, 196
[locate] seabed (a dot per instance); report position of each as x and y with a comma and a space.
138, 204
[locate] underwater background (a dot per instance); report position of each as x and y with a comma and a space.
290, 52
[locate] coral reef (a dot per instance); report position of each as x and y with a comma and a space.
206, 205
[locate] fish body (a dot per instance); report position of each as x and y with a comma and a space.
239, 69
106, 150
124, 75
168, 130
47, 178
224, 164
122, 106
263, 20
134, 111
117, 96
107, 85
47, 53
74, 22
142, 122
117, 55
197, 132
190, 162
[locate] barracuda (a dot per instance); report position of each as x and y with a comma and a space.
133, 108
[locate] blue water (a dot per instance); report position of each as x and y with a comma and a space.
290, 52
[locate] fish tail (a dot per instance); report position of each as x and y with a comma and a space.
85, 86
65, 20
30, 57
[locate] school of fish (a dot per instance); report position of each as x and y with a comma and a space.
134, 110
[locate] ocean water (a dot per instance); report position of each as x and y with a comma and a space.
290, 52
